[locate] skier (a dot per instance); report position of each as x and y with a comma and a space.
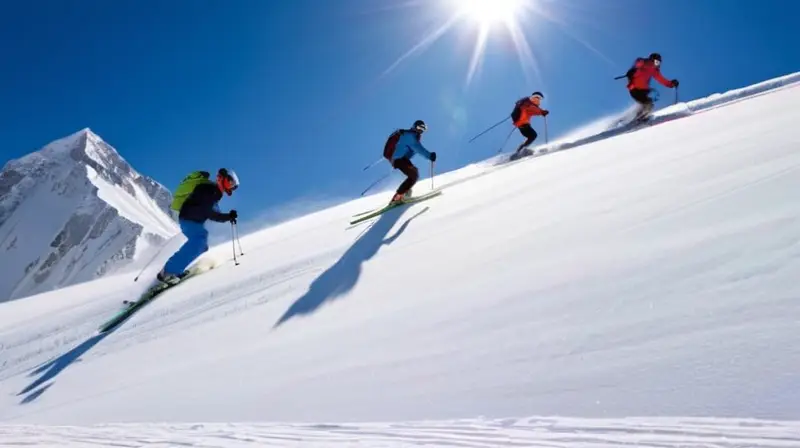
639, 83
196, 200
524, 109
399, 149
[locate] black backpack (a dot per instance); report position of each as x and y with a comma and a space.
632, 71
517, 112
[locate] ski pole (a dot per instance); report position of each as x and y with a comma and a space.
432, 163
233, 245
372, 164
238, 240
676, 94
153, 259
496, 125
505, 142
545, 130
375, 183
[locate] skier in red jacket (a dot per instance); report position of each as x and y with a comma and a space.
639, 82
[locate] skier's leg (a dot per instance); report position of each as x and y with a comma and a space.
642, 97
529, 133
412, 175
195, 245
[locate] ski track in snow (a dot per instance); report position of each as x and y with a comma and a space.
545, 432
650, 274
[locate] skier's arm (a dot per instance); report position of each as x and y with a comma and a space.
661, 79
534, 110
215, 215
542, 112
419, 149
218, 217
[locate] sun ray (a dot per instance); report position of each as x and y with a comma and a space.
426, 41
477, 52
524, 53
553, 18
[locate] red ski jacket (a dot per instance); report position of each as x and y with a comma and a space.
644, 71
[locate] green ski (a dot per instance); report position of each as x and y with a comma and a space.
144, 299
361, 217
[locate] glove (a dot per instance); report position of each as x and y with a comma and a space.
674, 83
433, 157
545, 113
232, 215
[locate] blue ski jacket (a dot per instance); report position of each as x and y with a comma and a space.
408, 145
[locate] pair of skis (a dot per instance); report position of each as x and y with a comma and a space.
369, 214
148, 296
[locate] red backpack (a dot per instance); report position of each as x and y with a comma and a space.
391, 144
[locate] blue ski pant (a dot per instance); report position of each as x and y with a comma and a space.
196, 244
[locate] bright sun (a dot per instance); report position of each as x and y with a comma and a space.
514, 18
490, 12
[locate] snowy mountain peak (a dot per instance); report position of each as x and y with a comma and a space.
75, 210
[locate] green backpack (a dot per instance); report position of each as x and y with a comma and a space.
187, 186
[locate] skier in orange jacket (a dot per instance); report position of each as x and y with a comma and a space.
524, 110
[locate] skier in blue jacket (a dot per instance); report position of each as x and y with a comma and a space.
400, 148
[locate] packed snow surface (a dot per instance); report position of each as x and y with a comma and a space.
641, 289
661, 432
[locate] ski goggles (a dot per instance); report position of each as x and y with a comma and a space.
228, 181
421, 127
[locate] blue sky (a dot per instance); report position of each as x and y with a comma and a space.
293, 95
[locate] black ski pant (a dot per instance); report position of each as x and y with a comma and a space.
412, 174
642, 96
530, 135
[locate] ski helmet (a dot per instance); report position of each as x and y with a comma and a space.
537, 94
227, 180
420, 126
655, 57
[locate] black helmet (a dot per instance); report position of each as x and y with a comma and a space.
655, 57
420, 126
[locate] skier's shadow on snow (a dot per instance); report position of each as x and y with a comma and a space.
343, 275
54, 367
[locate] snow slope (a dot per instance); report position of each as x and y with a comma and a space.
550, 432
641, 289
74, 211
607, 127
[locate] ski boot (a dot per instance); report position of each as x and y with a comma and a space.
170, 279
400, 198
